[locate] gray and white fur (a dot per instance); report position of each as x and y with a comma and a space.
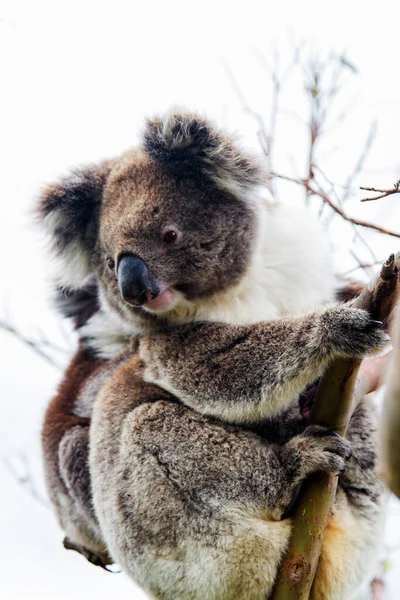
230, 301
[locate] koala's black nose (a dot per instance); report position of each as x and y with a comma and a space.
135, 282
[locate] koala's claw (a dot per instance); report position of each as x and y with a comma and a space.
345, 446
352, 332
375, 323
322, 449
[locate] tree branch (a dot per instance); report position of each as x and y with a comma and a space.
391, 417
332, 408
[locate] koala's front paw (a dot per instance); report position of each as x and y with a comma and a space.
351, 331
320, 449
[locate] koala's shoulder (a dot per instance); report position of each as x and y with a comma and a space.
127, 387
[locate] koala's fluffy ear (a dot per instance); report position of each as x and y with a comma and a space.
187, 141
69, 212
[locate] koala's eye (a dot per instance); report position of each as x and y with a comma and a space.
111, 264
169, 237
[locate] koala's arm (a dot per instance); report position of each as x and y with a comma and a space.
247, 373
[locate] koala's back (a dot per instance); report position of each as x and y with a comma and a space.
183, 502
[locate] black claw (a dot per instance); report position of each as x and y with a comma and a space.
349, 454
374, 323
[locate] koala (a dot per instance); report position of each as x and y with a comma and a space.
180, 454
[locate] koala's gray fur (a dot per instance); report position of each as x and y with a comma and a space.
191, 505
251, 372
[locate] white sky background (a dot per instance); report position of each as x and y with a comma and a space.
76, 80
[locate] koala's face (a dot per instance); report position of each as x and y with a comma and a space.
163, 238
168, 223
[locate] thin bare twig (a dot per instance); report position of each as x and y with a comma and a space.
365, 243
24, 477
339, 201
278, 80
335, 208
261, 133
367, 267
381, 193
370, 272
360, 162
35, 345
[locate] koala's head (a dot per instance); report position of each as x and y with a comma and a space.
170, 222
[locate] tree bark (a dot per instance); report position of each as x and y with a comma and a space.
333, 407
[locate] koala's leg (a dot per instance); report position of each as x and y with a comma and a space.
65, 436
79, 520
248, 373
191, 507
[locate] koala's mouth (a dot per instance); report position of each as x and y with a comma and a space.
165, 301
